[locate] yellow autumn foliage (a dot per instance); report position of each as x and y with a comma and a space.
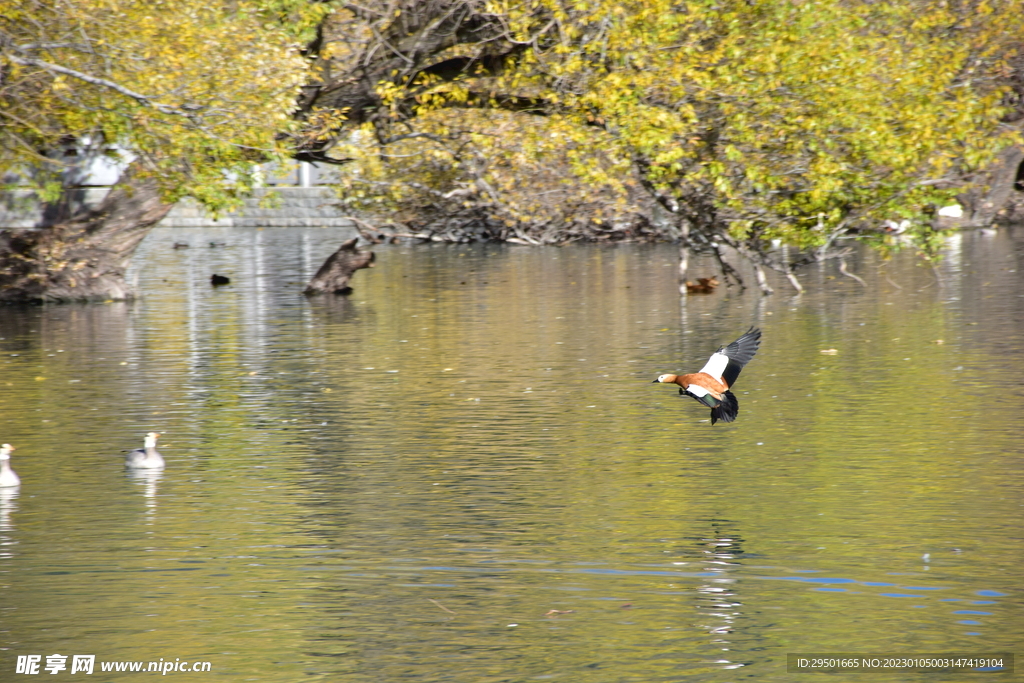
195, 91
790, 120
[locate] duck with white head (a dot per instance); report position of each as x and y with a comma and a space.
7, 476
147, 457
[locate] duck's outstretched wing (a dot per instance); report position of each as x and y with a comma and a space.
727, 361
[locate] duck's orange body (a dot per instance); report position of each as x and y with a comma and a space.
702, 379
711, 385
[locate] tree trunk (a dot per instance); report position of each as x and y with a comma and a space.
85, 257
336, 272
993, 197
762, 279
358, 48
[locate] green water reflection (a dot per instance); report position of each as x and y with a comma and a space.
463, 473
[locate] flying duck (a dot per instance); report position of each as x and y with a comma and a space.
711, 385
7, 475
147, 458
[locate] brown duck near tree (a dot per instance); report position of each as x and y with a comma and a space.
711, 384
703, 285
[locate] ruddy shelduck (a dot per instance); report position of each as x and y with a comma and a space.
703, 285
711, 384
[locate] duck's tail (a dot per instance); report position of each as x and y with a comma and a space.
727, 410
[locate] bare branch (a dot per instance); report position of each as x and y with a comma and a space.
844, 271
28, 47
103, 82
409, 136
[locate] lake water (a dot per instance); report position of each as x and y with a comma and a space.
462, 471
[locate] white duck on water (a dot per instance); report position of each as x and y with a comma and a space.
146, 458
7, 476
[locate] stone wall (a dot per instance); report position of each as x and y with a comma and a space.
280, 206
299, 207
296, 194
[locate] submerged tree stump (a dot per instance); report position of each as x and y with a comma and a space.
334, 275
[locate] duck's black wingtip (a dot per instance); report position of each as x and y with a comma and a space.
727, 410
740, 352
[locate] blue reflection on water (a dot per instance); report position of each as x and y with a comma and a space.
807, 580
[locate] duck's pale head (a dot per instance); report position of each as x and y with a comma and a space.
151, 438
665, 379
5, 451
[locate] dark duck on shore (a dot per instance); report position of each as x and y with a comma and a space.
147, 457
711, 384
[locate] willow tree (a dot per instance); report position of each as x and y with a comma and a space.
780, 123
186, 95
750, 124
